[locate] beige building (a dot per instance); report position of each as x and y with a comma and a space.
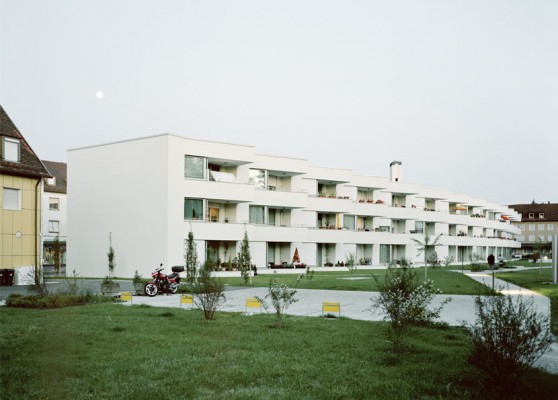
21, 185
539, 222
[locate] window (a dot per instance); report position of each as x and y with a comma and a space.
194, 167
531, 238
193, 208
531, 227
419, 227
541, 238
51, 181
385, 253
521, 238
53, 226
531, 215
10, 149
549, 238
257, 178
521, 227
541, 227
54, 203
12, 199
256, 214
349, 222
541, 215
550, 227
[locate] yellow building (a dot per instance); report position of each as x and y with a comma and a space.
21, 184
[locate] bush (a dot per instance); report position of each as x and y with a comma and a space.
508, 337
53, 301
282, 296
405, 300
208, 292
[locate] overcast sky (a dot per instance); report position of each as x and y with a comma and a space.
464, 93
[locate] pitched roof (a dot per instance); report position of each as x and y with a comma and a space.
29, 164
549, 210
59, 171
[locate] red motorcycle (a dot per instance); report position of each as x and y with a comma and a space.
163, 283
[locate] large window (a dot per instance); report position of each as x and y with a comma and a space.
193, 208
349, 222
194, 167
257, 178
10, 149
385, 253
11, 199
256, 214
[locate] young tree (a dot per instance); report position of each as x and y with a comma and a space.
282, 296
57, 254
111, 264
208, 291
350, 261
540, 248
244, 259
405, 301
191, 258
423, 247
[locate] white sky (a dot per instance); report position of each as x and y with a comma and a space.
464, 93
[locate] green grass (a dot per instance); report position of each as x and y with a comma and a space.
139, 352
534, 280
447, 281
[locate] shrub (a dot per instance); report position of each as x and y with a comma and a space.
53, 301
405, 300
208, 292
282, 296
508, 337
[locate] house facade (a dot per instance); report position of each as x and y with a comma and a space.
21, 185
539, 222
54, 215
145, 196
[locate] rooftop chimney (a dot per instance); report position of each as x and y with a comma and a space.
395, 171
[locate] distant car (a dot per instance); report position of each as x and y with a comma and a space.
516, 255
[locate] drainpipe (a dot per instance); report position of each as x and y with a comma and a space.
37, 269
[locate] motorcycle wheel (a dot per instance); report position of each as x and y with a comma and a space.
173, 288
151, 290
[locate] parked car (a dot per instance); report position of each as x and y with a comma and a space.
516, 255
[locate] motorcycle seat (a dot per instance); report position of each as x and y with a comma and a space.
173, 275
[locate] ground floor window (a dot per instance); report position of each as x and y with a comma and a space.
385, 255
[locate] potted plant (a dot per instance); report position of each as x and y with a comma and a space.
139, 283
108, 286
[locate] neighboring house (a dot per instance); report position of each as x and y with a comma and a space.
539, 222
146, 194
21, 185
54, 205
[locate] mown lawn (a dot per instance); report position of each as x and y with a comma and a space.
538, 281
447, 281
118, 352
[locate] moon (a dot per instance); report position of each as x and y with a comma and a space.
99, 94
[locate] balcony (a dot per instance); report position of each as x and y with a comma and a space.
232, 191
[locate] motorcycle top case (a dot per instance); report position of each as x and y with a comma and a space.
178, 268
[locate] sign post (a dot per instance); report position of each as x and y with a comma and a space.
555, 259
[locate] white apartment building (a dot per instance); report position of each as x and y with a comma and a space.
146, 195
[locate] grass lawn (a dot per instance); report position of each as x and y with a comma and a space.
117, 352
533, 279
444, 279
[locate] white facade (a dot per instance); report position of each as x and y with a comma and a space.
54, 213
148, 193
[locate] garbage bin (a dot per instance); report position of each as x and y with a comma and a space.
6, 277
